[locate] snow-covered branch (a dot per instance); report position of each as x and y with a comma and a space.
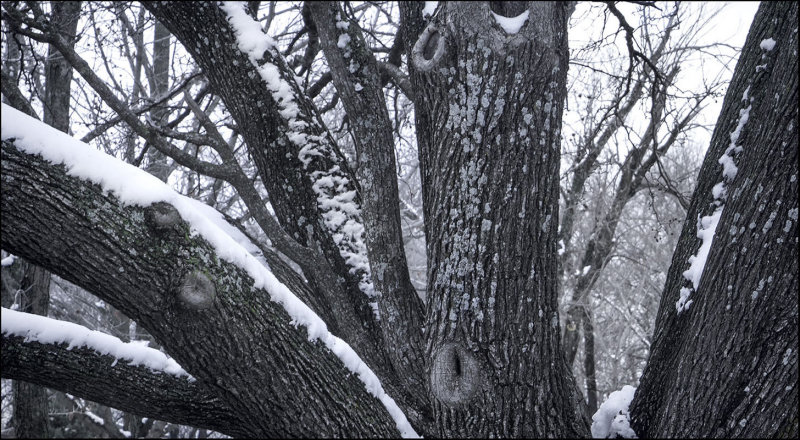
130, 377
183, 278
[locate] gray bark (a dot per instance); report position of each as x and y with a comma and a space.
727, 366
83, 372
361, 91
488, 109
158, 164
204, 31
283, 385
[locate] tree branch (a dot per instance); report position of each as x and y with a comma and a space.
83, 372
285, 384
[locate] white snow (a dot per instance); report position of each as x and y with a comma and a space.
511, 25
768, 44
51, 331
250, 37
349, 237
7, 261
344, 39
612, 418
729, 169
95, 418
707, 225
429, 8
133, 186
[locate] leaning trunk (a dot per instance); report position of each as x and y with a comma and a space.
724, 355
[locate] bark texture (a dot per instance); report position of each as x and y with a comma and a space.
727, 365
357, 78
280, 383
83, 372
488, 109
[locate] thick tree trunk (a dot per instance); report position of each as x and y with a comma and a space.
488, 108
725, 365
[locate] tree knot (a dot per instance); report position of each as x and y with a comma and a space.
161, 216
455, 375
197, 291
429, 48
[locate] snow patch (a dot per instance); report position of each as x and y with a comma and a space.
429, 8
511, 25
768, 44
51, 331
7, 261
612, 419
133, 186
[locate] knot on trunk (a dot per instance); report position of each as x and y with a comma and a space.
455, 375
428, 49
197, 291
161, 216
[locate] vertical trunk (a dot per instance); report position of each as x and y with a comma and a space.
158, 164
589, 362
30, 401
723, 361
490, 103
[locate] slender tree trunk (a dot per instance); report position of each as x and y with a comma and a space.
158, 164
589, 361
723, 361
30, 400
488, 111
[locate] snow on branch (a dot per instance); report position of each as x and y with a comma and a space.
333, 189
51, 331
612, 419
707, 225
134, 186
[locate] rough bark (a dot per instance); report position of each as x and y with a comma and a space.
243, 348
488, 108
85, 373
204, 31
357, 79
727, 365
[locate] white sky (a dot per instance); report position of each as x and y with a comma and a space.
729, 26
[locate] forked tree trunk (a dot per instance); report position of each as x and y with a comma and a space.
726, 364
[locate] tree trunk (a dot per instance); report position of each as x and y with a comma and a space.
158, 164
30, 400
723, 361
361, 91
488, 108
